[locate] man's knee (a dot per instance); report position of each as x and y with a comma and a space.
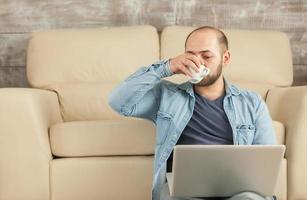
247, 196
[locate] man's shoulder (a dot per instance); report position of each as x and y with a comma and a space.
248, 94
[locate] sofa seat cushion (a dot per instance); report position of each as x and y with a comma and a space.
103, 138
132, 136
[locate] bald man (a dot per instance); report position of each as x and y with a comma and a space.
212, 111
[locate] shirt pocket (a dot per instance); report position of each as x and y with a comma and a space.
163, 124
245, 133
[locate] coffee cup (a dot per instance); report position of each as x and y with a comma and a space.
198, 76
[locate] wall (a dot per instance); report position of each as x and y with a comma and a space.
19, 17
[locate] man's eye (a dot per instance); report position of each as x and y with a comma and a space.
207, 57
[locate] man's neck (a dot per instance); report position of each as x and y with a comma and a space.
213, 91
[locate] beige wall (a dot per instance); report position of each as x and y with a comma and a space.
19, 17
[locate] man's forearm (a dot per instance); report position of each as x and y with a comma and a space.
132, 90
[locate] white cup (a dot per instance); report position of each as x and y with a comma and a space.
198, 76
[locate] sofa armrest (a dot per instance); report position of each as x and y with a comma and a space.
25, 117
289, 106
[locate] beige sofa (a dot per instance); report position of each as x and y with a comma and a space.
60, 140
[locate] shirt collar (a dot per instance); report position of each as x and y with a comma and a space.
230, 89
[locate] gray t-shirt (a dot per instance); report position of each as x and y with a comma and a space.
208, 125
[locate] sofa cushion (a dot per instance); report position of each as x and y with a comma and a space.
93, 60
103, 138
106, 54
132, 136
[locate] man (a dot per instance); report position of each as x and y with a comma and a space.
212, 111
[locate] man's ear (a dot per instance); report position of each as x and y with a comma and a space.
226, 58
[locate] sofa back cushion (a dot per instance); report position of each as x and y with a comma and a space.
83, 65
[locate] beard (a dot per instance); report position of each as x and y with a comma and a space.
211, 78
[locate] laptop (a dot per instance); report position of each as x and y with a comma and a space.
224, 170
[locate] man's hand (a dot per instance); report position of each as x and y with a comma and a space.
181, 64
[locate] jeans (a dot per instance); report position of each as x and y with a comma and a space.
239, 196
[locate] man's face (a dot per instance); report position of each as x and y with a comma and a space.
205, 46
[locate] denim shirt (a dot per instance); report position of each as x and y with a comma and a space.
145, 94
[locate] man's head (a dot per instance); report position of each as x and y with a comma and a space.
211, 45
